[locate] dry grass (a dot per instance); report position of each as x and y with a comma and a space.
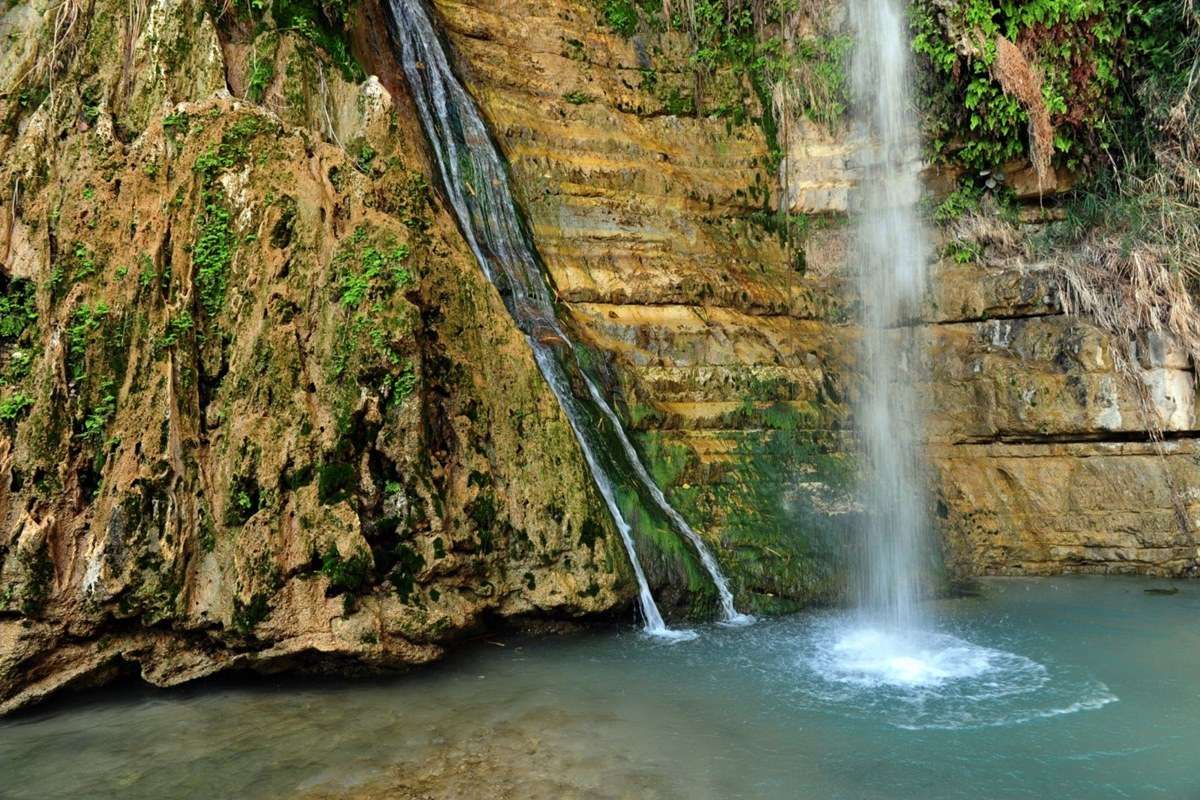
1020, 79
1127, 256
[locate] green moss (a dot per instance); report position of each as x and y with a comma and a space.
322, 23
779, 540
262, 66
363, 154
98, 416
374, 326
738, 56
207, 531
37, 575
578, 98
245, 500
403, 575
345, 574
590, 533
336, 481
215, 241
246, 616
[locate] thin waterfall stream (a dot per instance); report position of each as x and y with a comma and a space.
476, 183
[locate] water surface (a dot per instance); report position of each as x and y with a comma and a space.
1040, 688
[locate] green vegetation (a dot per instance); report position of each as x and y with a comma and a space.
375, 271
369, 344
18, 309
321, 23
622, 15
177, 124
98, 416
38, 573
14, 406
262, 66
739, 56
1118, 97
345, 574
336, 481
403, 574
85, 323
781, 508
578, 98
363, 154
246, 616
177, 326
215, 242
1089, 56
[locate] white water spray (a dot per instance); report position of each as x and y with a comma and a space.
891, 254
476, 183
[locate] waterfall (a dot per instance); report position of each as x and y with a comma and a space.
476, 183
891, 253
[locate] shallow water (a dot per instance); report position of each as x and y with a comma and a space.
1051, 688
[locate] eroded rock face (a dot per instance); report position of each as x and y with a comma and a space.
736, 353
261, 408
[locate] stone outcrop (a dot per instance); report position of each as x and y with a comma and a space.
261, 408
1041, 458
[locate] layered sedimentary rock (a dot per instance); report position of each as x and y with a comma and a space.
651, 227
259, 408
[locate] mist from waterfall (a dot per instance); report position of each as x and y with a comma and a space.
891, 253
475, 181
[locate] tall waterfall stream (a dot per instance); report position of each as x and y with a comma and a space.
889, 643
891, 254
476, 183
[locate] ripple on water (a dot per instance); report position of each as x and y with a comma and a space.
933, 680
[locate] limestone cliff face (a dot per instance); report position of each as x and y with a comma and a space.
728, 343
260, 407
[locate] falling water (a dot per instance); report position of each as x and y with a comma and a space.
476, 183
891, 253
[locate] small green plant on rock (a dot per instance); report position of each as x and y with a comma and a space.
14, 407
345, 574
578, 98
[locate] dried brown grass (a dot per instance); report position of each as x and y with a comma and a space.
1023, 81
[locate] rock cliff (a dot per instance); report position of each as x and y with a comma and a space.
652, 226
260, 409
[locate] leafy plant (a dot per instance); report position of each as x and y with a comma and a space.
97, 418
1087, 55
18, 309
14, 407
345, 574
577, 97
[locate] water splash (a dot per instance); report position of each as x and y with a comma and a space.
927, 679
889, 655
476, 183
891, 253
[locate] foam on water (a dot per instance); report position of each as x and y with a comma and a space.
921, 679
872, 657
